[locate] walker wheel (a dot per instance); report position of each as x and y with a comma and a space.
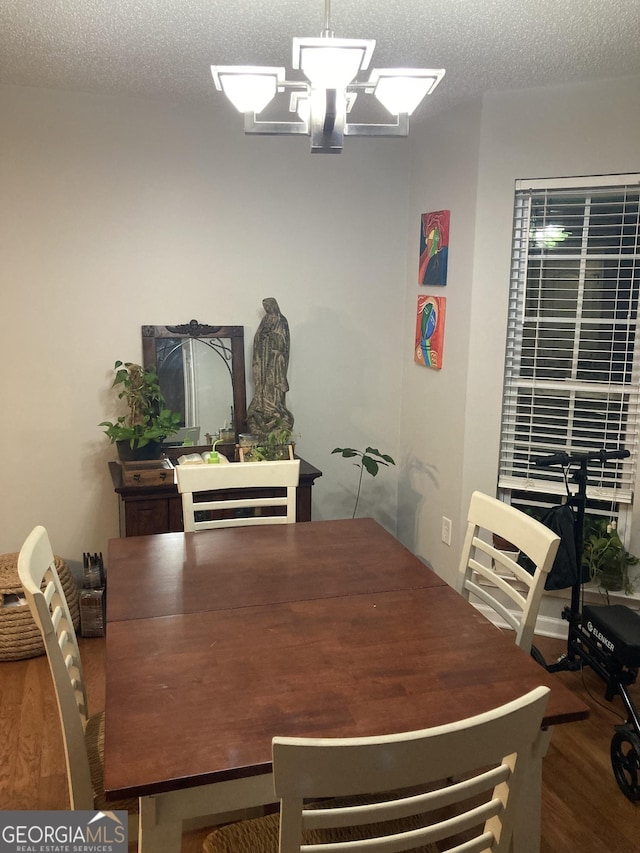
625, 759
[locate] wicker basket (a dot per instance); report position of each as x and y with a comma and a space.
19, 634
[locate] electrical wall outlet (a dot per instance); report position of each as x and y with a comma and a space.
446, 530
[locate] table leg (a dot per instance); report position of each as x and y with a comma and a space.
157, 835
162, 816
526, 833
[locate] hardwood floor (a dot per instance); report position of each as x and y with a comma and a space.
582, 807
32, 768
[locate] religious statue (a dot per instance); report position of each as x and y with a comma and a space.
267, 410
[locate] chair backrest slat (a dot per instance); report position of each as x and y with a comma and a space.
399, 786
497, 580
49, 591
238, 494
51, 614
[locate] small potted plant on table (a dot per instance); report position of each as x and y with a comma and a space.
139, 434
275, 445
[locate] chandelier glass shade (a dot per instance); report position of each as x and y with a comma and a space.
401, 90
250, 88
321, 102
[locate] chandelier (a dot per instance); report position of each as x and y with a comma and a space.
322, 103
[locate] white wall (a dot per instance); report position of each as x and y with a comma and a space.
444, 177
563, 131
117, 213
469, 162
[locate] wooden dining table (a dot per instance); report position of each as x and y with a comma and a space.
218, 640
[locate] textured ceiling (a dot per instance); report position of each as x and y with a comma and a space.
163, 48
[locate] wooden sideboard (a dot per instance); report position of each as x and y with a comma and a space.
158, 509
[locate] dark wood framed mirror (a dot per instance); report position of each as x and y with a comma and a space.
202, 375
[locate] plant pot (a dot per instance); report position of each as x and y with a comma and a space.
280, 451
611, 578
150, 450
267, 453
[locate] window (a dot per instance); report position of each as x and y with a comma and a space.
572, 365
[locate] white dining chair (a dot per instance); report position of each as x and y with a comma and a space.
489, 573
393, 792
83, 735
245, 494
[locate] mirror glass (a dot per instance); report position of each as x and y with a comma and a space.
202, 376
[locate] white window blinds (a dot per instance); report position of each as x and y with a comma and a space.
572, 359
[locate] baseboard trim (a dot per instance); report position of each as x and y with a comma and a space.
546, 626
552, 626
556, 626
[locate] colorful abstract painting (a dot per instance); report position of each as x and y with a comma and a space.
430, 331
434, 247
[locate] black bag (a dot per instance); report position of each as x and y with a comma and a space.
564, 572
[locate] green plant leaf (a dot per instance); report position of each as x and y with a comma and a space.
388, 460
371, 465
607, 559
148, 418
121, 375
366, 462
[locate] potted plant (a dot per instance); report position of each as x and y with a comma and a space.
140, 433
272, 446
606, 558
370, 460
